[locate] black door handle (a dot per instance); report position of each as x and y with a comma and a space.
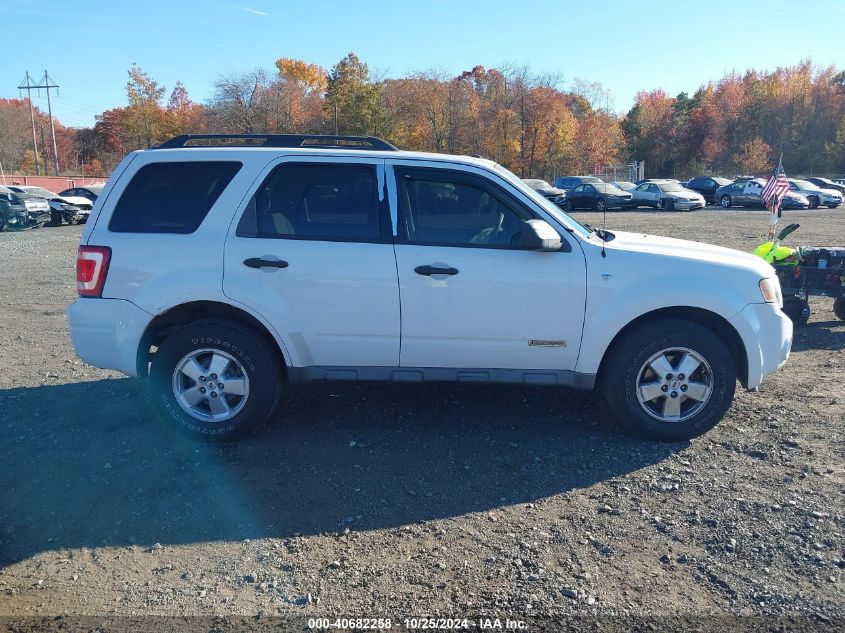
257, 262
431, 270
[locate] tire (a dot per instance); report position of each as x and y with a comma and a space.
814, 202
832, 206
55, 218
839, 308
679, 343
241, 355
725, 201
2, 224
601, 205
797, 309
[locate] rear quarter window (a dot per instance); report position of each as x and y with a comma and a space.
171, 197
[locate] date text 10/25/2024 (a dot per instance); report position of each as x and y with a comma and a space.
416, 624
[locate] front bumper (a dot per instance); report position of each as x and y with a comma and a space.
689, 205
766, 334
106, 333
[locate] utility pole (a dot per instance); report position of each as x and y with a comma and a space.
28, 84
46, 83
43, 148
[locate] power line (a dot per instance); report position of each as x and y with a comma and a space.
46, 84
28, 84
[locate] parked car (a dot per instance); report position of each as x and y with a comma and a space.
70, 209
567, 183
706, 186
624, 185
746, 193
599, 196
222, 272
558, 196
18, 211
666, 195
89, 192
827, 183
815, 195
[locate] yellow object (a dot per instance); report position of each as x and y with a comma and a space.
776, 254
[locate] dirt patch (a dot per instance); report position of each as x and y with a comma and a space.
407, 500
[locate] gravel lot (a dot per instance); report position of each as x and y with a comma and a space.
409, 500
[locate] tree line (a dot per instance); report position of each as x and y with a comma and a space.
525, 121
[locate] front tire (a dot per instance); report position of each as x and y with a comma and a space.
216, 380
725, 201
814, 202
55, 218
839, 308
670, 380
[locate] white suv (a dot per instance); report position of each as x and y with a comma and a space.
224, 271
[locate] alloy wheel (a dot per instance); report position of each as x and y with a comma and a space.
674, 384
210, 385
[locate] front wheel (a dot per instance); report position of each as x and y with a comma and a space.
55, 218
670, 379
814, 202
725, 201
215, 379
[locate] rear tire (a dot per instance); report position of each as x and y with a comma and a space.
797, 309
202, 357
814, 202
725, 201
55, 218
839, 308
601, 205
674, 346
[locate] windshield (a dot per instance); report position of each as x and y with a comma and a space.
670, 186
534, 183
624, 184
40, 191
591, 179
548, 206
605, 188
806, 184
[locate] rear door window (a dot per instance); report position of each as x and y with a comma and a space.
171, 197
316, 201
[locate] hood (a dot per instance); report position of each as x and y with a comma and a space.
831, 192
694, 251
552, 191
685, 195
77, 200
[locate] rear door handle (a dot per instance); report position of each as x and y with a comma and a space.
431, 270
257, 262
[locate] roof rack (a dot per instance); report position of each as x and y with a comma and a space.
317, 141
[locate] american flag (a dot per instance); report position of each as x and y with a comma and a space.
774, 191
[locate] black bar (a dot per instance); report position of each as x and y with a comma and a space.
431, 270
257, 262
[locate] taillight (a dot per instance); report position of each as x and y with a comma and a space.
92, 264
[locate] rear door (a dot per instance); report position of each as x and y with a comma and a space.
313, 253
493, 305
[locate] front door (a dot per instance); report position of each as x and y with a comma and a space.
470, 298
312, 252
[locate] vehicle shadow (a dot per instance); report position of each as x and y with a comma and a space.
818, 335
89, 464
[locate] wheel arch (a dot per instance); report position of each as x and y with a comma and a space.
169, 320
712, 321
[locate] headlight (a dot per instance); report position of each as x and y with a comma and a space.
770, 289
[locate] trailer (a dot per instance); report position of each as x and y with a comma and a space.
818, 271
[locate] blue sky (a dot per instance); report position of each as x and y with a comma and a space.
88, 45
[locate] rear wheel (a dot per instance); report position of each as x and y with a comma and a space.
2, 224
814, 202
670, 379
725, 201
839, 308
601, 205
797, 309
215, 380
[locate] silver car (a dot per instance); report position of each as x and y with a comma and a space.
666, 194
815, 194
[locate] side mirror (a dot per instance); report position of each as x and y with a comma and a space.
538, 235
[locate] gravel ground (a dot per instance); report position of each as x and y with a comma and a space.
394, 500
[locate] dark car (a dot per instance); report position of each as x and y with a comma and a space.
746, 193
567, 183
90, 191
558, 196
17, 212
707, 186
827, 183
599, 196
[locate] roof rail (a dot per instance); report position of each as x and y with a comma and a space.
317, 141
